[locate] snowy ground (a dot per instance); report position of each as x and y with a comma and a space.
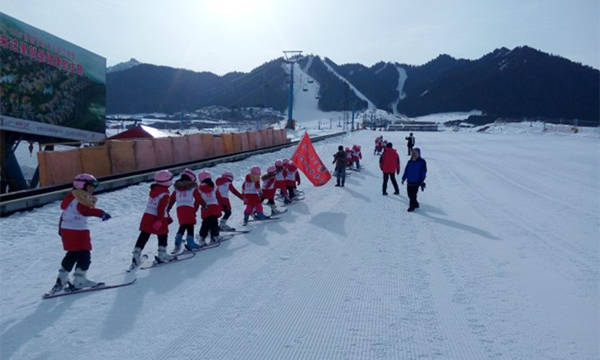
501, 261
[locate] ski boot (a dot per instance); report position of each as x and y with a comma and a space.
80, 281
215, 239
274, 210
224, 227
178, 242
62, 281
260, 216
287, 200
136, 259
246, 218
162, 256
191, 244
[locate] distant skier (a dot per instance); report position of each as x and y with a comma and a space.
224, 185
389, 163
210, 201
76, 206
415, 173
155, 220
251, 191
378, 145
187, 198
339, 159
356, 156
410, 143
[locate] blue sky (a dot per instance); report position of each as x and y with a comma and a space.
238, 35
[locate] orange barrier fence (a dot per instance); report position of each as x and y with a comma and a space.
59, 167
95, 160
118, 156
144, 154
163, 151
122, 156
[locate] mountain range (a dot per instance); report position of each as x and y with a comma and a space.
518, 83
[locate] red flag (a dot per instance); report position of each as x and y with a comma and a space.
307, 160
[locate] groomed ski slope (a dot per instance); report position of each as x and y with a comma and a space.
500, 262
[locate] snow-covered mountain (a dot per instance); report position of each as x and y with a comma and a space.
123, 66
500, 84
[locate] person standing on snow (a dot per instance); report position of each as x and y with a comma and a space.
210, 200
155, 220
410, 143
224, 185
251, 190
339, 159
389, 163
356, 156
73, 230
187, 198
414, 173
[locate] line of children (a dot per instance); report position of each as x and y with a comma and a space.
76, 207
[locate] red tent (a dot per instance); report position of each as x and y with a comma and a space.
141, 132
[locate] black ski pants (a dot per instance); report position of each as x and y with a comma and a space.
211, 224
188, 227
144, 236
392, 177
412, 190
81, 258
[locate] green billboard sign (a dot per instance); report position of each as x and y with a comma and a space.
49, 86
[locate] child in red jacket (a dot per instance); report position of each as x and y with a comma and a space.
251, 191
280, 181
187, 198
268, 189
356, 156
224, 185
155, 220
73, 230
292, 178
210, 200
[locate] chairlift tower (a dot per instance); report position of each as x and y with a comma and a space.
291, 57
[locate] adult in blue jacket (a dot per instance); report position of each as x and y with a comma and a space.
414, 173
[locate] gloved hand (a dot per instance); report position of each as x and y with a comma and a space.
423, 186
157, 224
105, 216
169, 220
397, 172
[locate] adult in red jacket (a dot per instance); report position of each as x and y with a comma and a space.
155, 219
76, 207
389, 163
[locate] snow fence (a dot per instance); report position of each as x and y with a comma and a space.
128, 156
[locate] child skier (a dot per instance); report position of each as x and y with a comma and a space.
155, 219
280, 181
224, 185
187, 197
76, 206
356, 156
251, 191
268, 189
348, 157
292, 178
211, 200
